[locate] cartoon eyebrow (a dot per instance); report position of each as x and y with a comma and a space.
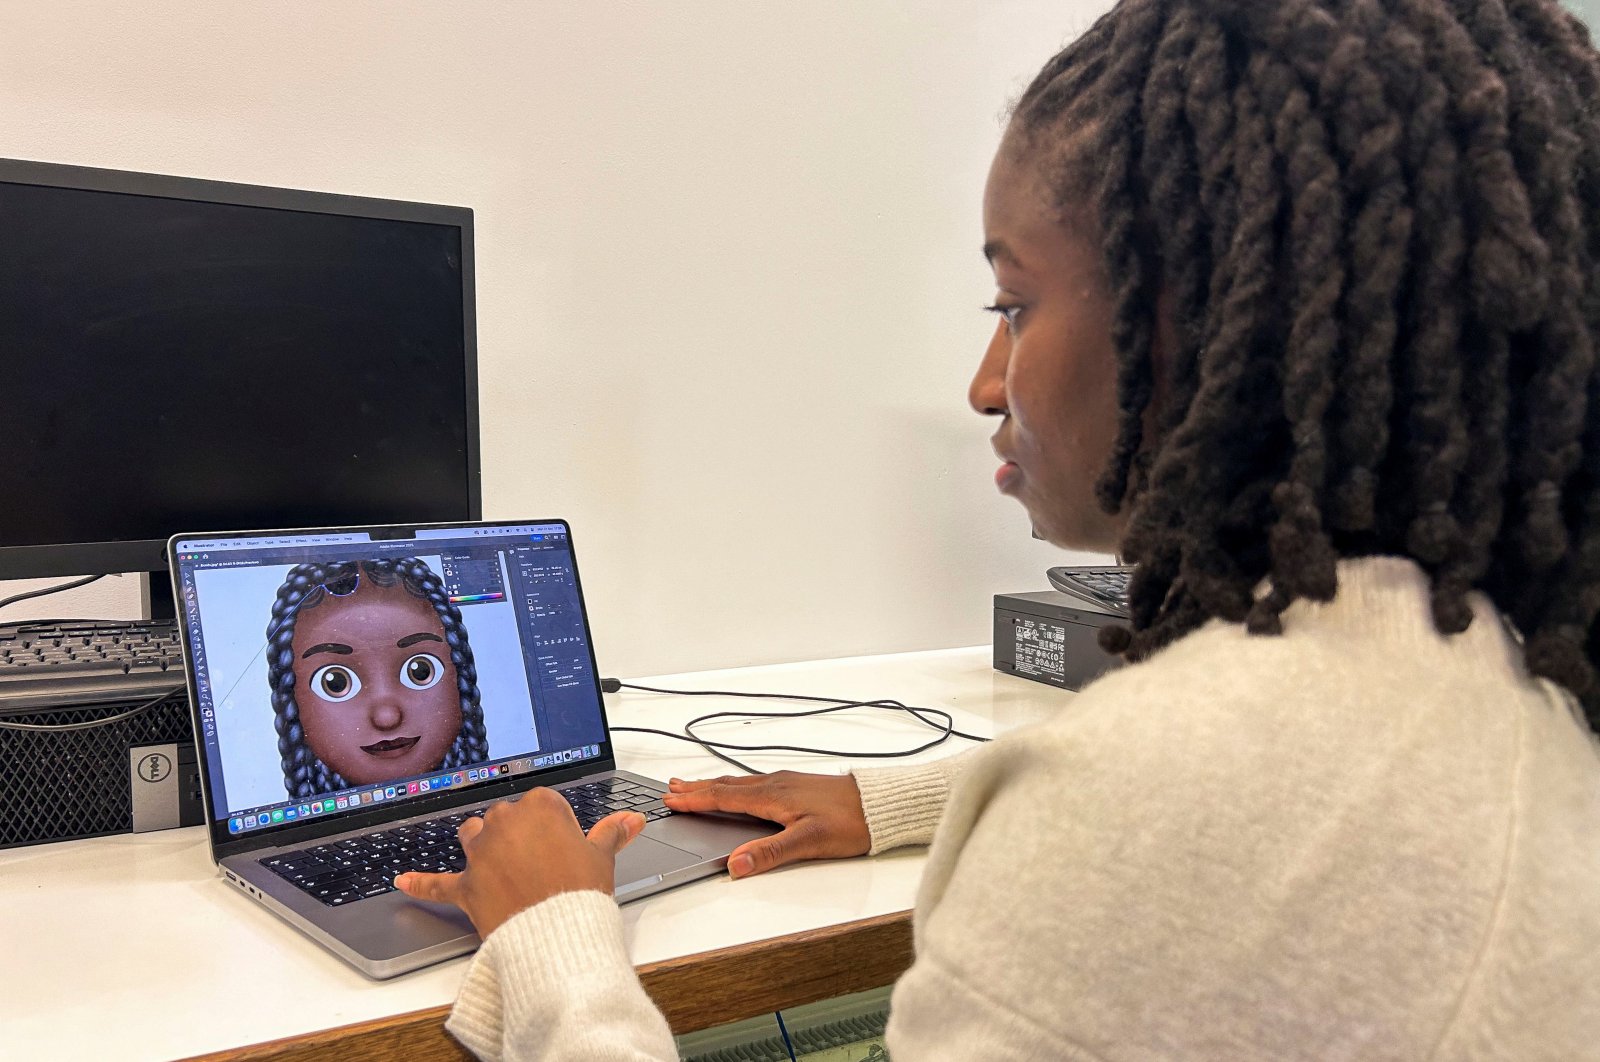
328, 647
412, 639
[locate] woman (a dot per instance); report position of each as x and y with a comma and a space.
1298, 302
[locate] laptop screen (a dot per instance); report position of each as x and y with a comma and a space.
336, 671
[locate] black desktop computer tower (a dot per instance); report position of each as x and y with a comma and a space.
73, 778
1051, 638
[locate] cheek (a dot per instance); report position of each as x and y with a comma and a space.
1066, 404
328, 730
437, 711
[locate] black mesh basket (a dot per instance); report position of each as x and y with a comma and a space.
62, 784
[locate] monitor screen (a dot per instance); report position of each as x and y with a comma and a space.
185, 355
335, 671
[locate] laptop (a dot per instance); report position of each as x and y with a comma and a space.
358, 692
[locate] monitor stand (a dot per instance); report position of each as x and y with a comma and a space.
155, 596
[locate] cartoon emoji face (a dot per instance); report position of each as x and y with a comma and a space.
376, 690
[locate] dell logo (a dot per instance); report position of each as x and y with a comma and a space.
154, 767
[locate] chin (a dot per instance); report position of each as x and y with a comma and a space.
1076, 534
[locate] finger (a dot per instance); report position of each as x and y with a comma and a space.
732, 798
548, 805
612, 833
469, 829
678, 785
769, 853
439, 888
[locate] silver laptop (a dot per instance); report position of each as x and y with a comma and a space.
358, 692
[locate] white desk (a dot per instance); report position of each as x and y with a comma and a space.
130, 947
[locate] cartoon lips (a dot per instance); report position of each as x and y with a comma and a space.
390, 749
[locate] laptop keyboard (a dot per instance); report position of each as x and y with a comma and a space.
360, 867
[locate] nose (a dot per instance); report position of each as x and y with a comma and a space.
987, 393
386, 712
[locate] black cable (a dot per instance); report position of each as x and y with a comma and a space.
788, 1044
946, 729
611, 685
47, 591
724, 757
107, 721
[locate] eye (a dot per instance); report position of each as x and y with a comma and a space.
1008, 313
335, 682
421, 672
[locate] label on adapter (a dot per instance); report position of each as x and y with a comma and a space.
1040, 649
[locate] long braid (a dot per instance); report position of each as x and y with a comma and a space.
1368, 136
307, 586
1236, 362
1461, 204
1547, 153
1170, 166
1153, 539
1303, 561
1563, 41
1378, 226
1434, 346
1117, 146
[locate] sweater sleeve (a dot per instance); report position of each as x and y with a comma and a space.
555, 983
903, 804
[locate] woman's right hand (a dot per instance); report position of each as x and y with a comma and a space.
820, 814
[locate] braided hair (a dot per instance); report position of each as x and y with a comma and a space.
1378, 222
306, 586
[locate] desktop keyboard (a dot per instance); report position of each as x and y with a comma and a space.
360, 867
87, 662
1104, 587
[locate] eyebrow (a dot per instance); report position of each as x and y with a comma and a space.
328, 647
413, 639
996, 249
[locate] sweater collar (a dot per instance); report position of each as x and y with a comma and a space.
1390, 598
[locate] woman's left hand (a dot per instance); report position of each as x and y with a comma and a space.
524, 853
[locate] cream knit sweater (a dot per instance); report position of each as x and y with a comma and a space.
1357, 840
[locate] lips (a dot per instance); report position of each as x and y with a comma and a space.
390, 749
1009, 472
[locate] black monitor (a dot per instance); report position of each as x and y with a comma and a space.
183, 355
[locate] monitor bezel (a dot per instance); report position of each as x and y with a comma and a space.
114, 556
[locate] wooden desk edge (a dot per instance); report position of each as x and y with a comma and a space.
694, 992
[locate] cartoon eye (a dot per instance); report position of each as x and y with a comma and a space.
422, 672
335, 683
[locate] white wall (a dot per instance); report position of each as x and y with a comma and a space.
738, 240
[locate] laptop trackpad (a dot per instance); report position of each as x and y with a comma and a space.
647, 857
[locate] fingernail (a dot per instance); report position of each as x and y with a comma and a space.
638, 822
740, 865
399, 881
674, 781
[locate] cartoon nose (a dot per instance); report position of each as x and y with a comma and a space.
386, 713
